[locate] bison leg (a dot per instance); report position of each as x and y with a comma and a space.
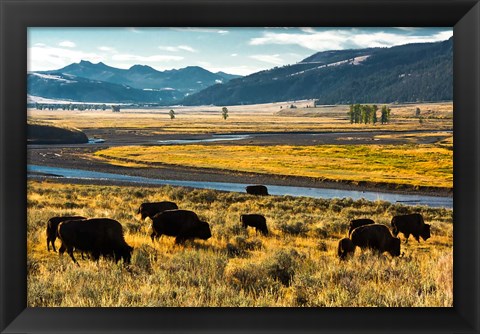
70, 252
180, 240
406, 237
153, 235
48, 244
62, 249
53, 245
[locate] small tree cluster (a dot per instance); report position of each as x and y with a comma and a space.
172, 113
69, 106
363, 113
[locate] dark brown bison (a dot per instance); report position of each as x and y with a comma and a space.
257, 190
151, 209
52, 225
376, 237
255, 220
345, 248
182, 224
357, 223
96, 236
411, 224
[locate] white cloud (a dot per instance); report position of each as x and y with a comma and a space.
177, 48
146, 59
206, 30
67, 44
52, 58
271, 59
308, 30
343, 39
134, 30
107, 49
234, 54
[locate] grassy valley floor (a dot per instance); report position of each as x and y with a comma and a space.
296, 265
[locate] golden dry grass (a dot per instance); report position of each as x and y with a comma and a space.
251, 118
414, 165
294, 266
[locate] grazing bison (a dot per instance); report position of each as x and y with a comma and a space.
255, 220
182, 224
151, 209
376, 237
357, 223
257, 190
411, 224
345, 248
52, 225
96, 236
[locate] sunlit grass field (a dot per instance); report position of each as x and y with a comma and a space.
296, 265
273, 117
429, 165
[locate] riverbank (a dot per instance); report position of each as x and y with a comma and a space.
79, 158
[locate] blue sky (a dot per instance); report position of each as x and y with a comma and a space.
231, 50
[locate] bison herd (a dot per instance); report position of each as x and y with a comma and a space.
104, 236
364, 233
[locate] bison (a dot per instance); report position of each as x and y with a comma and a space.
52, 225
151, 209
97, 236
376, 237
357, 223
411, 224
182, 224
255, 220
345, 248
257, 190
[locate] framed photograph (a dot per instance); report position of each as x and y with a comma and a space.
209, 166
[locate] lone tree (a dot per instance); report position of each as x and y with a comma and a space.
385, 118
224, 112
172, 114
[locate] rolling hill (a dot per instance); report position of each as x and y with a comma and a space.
186, 80
72, 88
407, 73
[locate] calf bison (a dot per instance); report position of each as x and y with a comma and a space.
357, 223
255, 220
376, 237
182, 224
151, 209
52, 225
345, 248
257, 190
96, 236
411, 224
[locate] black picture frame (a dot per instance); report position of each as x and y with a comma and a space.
16, 16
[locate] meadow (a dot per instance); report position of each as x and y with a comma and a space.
296, 265
400, 165
270, 117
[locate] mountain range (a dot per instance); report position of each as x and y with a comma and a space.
406, 73
89, 82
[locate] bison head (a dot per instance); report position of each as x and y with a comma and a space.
425, 232
203, 230
394, 247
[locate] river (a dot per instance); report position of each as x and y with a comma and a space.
406, 199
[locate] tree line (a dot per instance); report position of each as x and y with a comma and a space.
365, 113
73, 106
